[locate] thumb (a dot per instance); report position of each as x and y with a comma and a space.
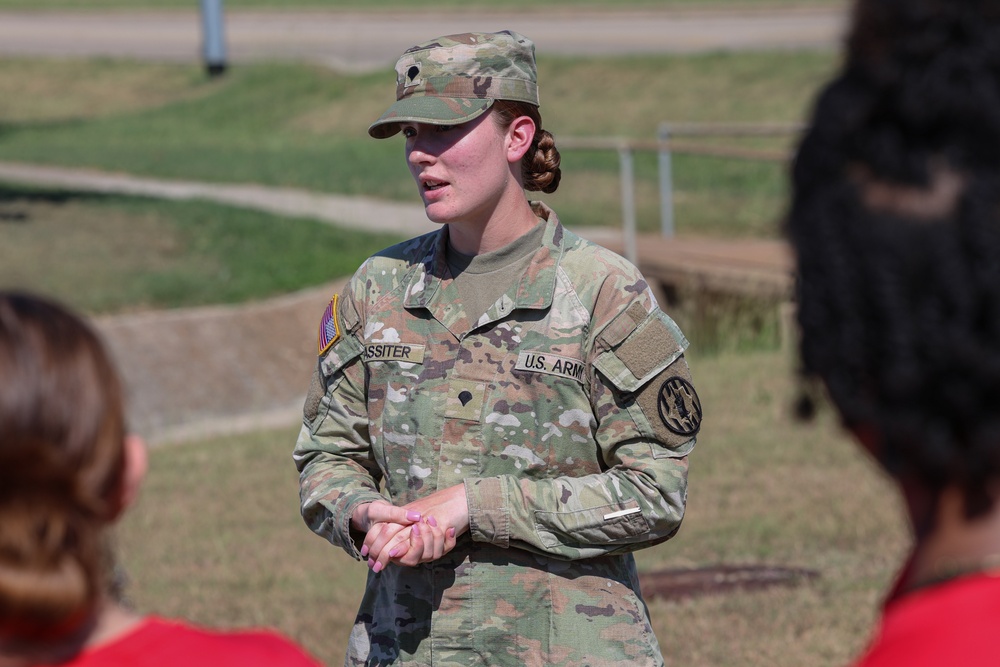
383, 511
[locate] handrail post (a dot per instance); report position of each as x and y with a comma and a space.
666, 183
214, 47
628, 203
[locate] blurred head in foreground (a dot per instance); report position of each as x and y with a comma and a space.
67, 470
895, 221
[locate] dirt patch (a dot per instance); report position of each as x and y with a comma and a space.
222, 369
681, 583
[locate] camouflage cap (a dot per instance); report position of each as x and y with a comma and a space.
453, 79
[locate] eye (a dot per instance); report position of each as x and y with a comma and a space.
409, 131
445, 128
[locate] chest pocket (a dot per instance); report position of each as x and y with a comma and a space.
464, 400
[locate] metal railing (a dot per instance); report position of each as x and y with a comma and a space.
664, 145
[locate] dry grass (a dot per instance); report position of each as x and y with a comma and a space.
37, 91
217, 537
767, 489
81, 251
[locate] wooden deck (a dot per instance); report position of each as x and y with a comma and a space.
751, 267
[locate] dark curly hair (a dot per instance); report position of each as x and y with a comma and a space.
895, 220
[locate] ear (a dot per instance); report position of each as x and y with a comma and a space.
519, 136
136, 464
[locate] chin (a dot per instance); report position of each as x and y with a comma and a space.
438, 216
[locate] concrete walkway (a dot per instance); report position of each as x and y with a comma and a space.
203, 371
358, 212
227, 369
373, 40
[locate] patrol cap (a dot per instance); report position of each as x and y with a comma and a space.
453, 79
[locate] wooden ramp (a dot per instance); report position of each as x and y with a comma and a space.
751, 267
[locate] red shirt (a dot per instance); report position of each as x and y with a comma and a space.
156, 642
952, 623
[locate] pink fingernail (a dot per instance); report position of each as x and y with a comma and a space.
432, 521
413, 516
364, 550
371, 562
416, 529
377, 568
451, 532
393, 552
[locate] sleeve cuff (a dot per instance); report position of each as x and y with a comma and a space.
353, 538
489, 512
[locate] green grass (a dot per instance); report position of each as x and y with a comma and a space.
385, 5
305, 126
216, 536
103, 253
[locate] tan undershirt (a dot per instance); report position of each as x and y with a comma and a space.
482, 279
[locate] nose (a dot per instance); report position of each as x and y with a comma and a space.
417, 152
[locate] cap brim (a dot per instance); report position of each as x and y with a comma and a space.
428, 109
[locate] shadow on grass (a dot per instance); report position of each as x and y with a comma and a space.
11, 193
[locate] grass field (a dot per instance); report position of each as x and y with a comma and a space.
303, 126
104, 253
216, 536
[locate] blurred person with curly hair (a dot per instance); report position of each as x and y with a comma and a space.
895, 221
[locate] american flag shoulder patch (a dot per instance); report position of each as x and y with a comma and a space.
329, 327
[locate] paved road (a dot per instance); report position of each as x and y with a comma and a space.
362, 41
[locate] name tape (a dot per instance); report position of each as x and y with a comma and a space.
553, 364
404, 352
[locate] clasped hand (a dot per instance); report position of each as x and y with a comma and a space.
419, 532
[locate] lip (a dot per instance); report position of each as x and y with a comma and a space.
432, 192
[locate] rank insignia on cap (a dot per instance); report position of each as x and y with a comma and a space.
679, 406
329, 327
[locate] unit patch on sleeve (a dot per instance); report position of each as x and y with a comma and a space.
329, 326
679, 406
553, 364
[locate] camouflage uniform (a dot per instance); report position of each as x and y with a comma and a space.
566, 410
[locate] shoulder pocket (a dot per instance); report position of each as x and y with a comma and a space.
340, 354
339, 325
640, 345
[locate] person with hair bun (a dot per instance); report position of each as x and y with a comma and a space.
895, 222
515, 390
68, 470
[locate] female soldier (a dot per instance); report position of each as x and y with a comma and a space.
896, 224
67, 471
517, 390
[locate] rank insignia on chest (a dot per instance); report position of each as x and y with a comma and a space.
329, 326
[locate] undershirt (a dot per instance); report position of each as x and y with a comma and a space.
482, 279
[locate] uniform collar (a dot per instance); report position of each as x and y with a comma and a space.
534, 290
428, 284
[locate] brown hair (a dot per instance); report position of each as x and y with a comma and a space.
540, 165
61, 465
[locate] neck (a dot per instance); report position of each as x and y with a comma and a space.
110, 623
506, 224
956, 544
